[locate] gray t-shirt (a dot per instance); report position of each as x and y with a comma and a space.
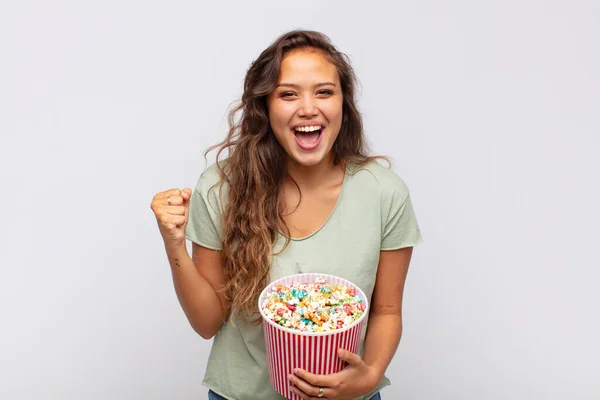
374, 212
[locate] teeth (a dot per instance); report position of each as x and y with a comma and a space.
309, 128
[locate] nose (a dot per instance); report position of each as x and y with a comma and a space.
307, 107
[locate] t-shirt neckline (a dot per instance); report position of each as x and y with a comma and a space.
335, 207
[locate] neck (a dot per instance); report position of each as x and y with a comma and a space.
314, 176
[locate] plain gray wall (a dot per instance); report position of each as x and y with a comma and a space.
489, 109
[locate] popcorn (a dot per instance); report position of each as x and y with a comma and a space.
314, 307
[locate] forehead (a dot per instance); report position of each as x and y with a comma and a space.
306, 65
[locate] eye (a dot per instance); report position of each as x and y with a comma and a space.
286, 94
325, 92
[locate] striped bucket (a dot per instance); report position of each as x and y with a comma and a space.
314, 352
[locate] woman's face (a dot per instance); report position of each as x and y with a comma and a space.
305, 109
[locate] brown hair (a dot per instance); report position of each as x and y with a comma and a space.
255, 168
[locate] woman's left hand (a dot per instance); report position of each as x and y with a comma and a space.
355, 380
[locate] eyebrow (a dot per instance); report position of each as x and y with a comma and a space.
296, 86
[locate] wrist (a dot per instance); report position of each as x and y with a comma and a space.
176, 249
374, 376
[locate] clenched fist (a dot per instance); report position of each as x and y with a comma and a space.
171, 209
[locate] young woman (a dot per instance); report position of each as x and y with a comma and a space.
297, 193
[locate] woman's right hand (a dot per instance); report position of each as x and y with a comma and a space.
171, 209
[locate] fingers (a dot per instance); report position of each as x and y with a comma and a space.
302, 388
171, 207
170, 192
170, 221
176, 207
305, 396
171, 210
350, 357
174, 210
174, 200
172, 197
186, 193
314, 380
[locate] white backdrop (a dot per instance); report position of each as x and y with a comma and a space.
489, 109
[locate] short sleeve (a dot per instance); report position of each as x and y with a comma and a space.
400, 226
204, 219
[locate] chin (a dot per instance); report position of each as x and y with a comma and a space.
307, 163
309, 160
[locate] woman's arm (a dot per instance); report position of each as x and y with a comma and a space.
196, 280
385, 318
362, 375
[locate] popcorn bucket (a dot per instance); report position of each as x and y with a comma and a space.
315, 352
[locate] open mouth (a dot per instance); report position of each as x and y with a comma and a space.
308, 137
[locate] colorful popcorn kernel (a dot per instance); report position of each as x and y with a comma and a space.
313, 307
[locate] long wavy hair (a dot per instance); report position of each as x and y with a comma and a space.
255, 169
